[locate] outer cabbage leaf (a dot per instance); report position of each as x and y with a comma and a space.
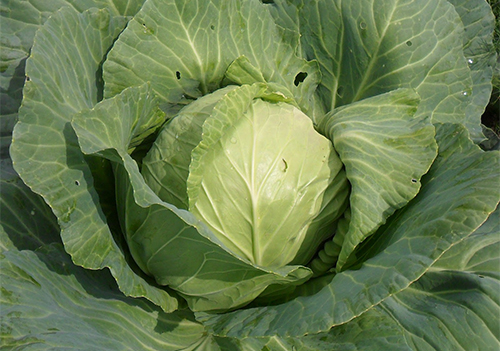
479, 23
478, 253
26, 222
62, 69
456, 197
167, 242
49, 303
455, 305
184, 49
373, 330
20, 20
369, 47
449, 310
386, 149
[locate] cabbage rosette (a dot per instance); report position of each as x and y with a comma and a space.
285, 175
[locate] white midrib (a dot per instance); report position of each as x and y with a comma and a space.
255, 234
203, 83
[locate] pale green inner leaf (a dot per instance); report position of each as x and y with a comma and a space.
263, 182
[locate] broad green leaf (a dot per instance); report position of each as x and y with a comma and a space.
121, 7
456, 197
62, 68
479, 23
452, 307
166, 242
26, 222
385, 150
49, 303
206, 344
449, 310
373, 330
139, 102
478, 252
10, 100
184, 49
251, 344
455, 305
20, 21
369, 47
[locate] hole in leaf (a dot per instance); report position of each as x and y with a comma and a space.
77, 183
299, 78
178, 75
413, 180
340, 91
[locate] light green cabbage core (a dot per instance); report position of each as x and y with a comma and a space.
259, 177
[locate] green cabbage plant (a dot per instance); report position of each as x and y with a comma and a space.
248, 175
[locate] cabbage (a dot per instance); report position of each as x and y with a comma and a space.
220, 175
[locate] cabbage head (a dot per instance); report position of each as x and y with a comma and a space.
248, 175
